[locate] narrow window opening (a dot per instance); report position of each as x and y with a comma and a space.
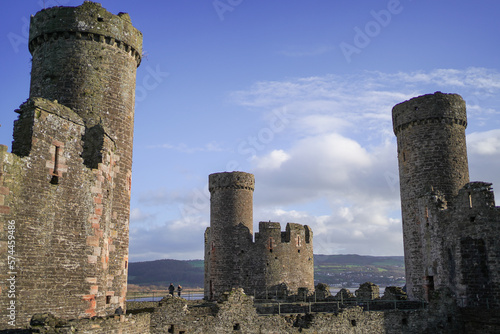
429, 286
270, 250
472, 219
353, 323
126, 264
171, 329
55, 172
431, 282
298, 250
108, 299
470, 201
182, 332
236, 327
54, 179
404, 322
404, 157
100, 19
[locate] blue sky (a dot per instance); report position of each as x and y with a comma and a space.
297, 92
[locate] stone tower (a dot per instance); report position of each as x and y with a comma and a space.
432, 156
66, 185
230, 234
277, 263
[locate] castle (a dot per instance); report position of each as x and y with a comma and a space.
277, 263
64, 211
65, 188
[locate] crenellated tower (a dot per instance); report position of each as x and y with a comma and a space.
276, 263
229, 236
66, 185
432, 156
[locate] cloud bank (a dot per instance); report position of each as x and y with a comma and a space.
332, 165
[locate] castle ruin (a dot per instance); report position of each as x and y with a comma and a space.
64, 214
276, 263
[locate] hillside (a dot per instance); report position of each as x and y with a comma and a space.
163, 272
346, 270
351, 270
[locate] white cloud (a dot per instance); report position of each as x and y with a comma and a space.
138, 215
273, 160
484, 143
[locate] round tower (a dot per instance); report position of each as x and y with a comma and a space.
228, 240
432, 156
86, 58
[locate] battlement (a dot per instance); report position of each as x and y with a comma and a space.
231, 180
292, 231
430, 108
476, 195
86, 22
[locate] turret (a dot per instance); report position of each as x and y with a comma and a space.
432, 156
229, 237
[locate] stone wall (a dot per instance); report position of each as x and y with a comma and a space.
286, 258
466, 245
46, 323
235, 312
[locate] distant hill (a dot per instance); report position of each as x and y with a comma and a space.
346, 270
351, 270
163, 272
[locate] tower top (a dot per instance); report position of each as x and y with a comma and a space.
88, 21
231, 180
435, 106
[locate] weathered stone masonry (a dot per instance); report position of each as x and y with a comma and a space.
66, 184
450, 226
275, 263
